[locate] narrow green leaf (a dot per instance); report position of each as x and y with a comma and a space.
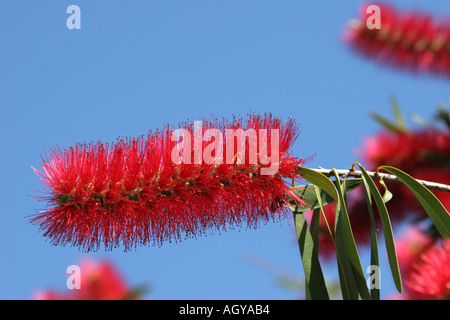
443, 115
319, 180
319, 200
347, 283
399, 125
387, 124
345, 244
308, 194
346, 279
314, 229
342, 278
422, 121
374, 256
349, 289
434, 208
438, 159
387, 229
316, 288
398, 115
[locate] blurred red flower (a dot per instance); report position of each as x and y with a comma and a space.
98, 281
424, 154
408, 150
429, 277
408, 40
410, 246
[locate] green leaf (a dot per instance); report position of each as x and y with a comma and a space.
387, 229
439, 159
351, 269
385, 122
399, 125
352, 287
374, 256
422, 121
319, 180
443, 115
314, 228
136, 293
347, 282
387, 194
308, 194
316, 288
434, 208
398, 115
319, 200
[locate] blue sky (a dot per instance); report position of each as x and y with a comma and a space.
137, 65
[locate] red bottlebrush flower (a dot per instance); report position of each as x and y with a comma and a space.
429, 278
407, 40
169, 183
98, 281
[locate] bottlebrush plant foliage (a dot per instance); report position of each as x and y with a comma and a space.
367, 210
133, 193
422, 151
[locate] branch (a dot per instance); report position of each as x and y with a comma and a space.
384, 176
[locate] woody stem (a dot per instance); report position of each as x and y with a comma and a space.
384, 176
